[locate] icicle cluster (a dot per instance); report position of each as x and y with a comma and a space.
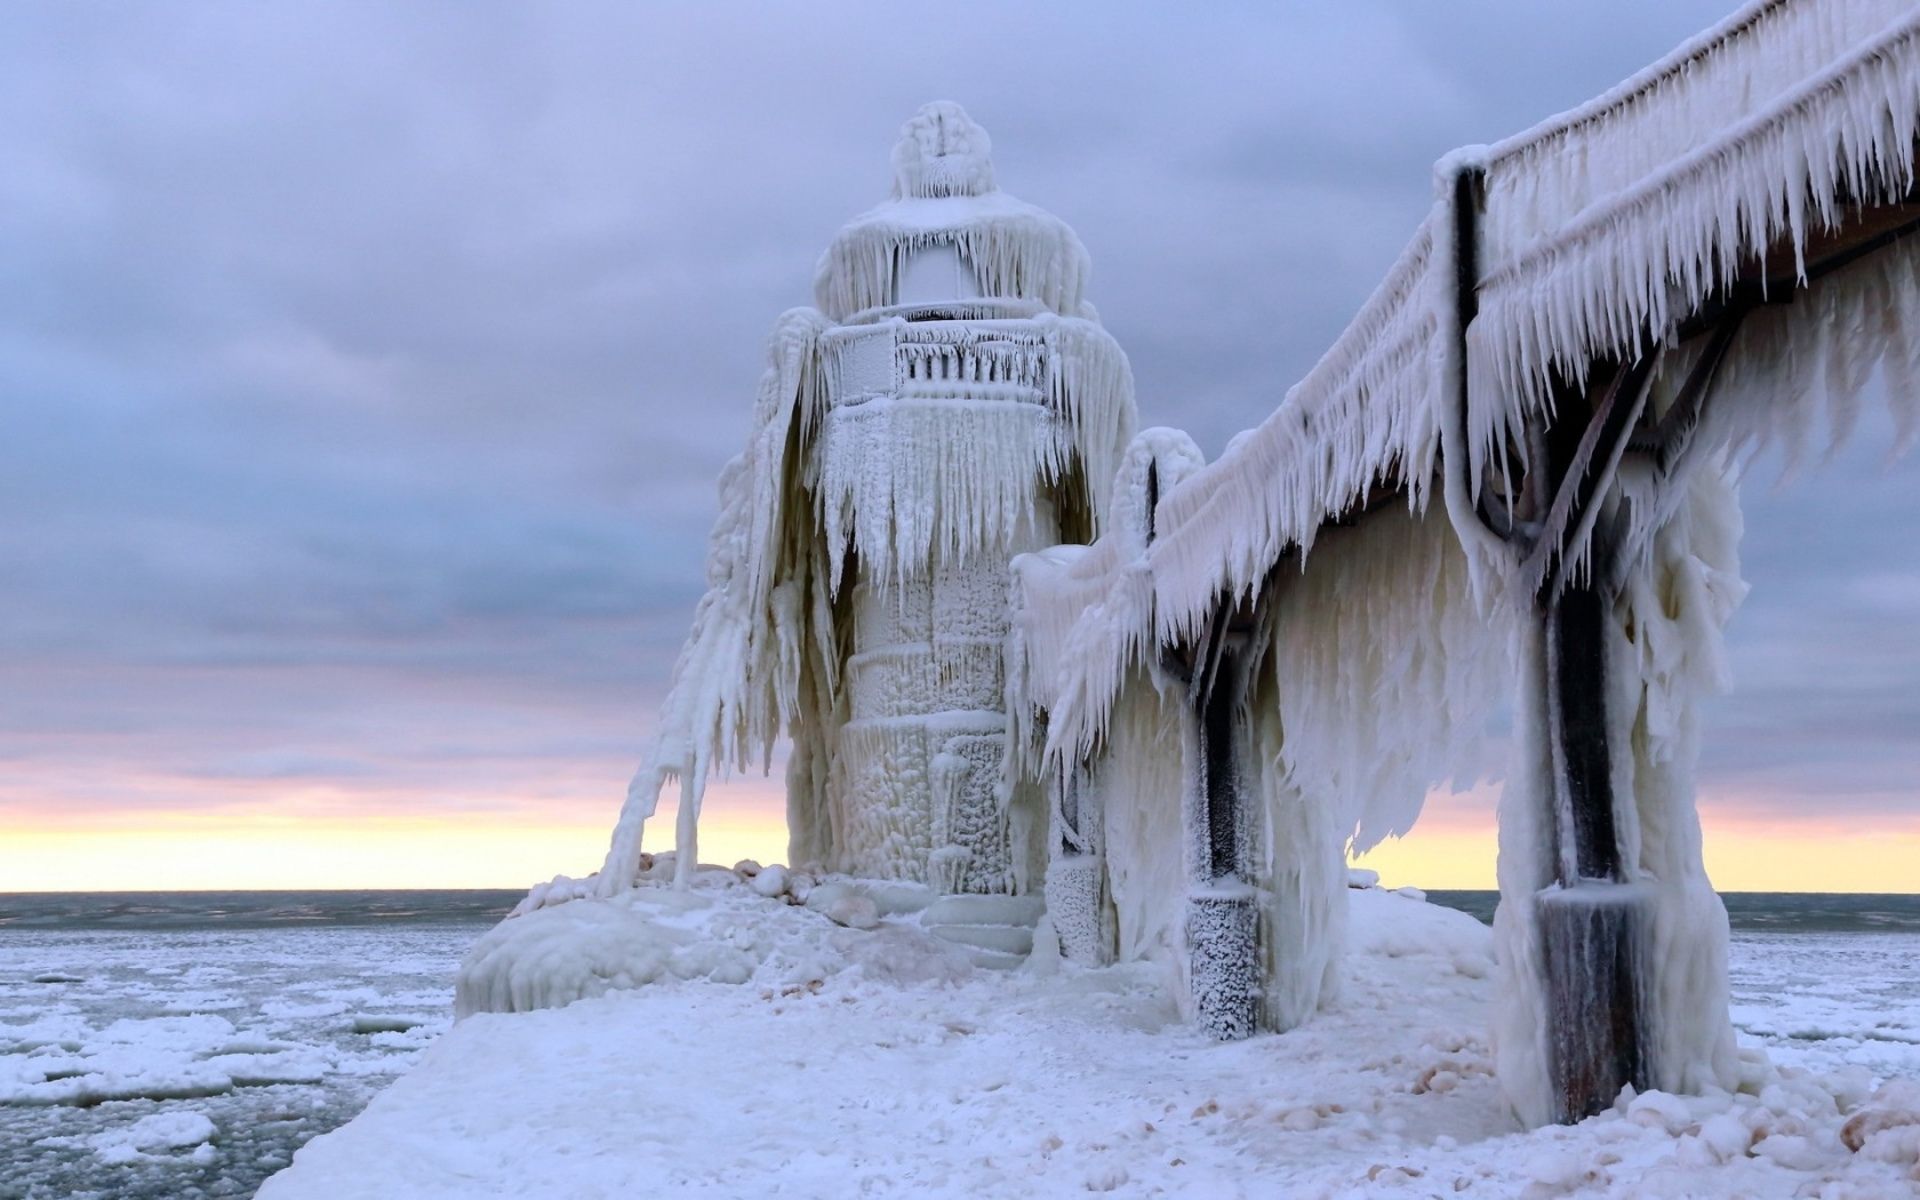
1386, 672
1605, 228
1379, 679
1083, 617
944, 434
1360, 418
1017, 251
1601, 228
1137, 782
736, 684
942, 152
922, 446
1546, 177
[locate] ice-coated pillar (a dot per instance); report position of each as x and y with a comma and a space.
1222, 924
1076, 888
912, 404
920, 759
1592, 921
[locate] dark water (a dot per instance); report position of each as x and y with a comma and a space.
1763, 912
250, 910
275, 1016
1769, 912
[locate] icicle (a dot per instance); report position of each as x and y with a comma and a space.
1607, 227
736, 682
1386, 672
1085, 615
1362, 416
919, 462
1664, 647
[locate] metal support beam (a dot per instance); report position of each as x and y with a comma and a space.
1592, 921
1222, 924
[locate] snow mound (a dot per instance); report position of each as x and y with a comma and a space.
724, 930
1393, 925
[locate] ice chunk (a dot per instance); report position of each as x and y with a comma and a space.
855, 911
770, 881
158, 1133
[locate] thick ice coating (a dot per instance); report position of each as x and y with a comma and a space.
951, 404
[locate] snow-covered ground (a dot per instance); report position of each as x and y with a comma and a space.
878, 1063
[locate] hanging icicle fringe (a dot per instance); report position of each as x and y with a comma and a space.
945, 435
908, 448
1631, 266
1360, 416
1385, 671
1017, 251
1083, 616
1665, 654
736, 683
1601, 230
1546, 176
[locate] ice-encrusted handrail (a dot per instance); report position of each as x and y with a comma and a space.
1741, 23
1836, 117
1626, 269
1360, 410
1597, 282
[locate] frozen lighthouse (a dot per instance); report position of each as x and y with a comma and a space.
949, 402
972, 410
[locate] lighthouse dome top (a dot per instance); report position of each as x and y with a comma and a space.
945, 196
942, 152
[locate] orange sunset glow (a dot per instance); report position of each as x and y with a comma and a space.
327, 838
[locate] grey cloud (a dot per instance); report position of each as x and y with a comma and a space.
354, 360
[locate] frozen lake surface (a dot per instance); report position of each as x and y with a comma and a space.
274, 1016
185, 1046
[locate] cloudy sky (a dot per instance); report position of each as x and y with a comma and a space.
365, 369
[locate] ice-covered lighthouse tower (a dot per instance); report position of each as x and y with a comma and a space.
951, 401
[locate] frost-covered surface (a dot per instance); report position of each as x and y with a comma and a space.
150, 1063
1082, 619
944, 195
1591, 238
956, 404
953, 1081
1601, 229
1664, 656
1362, 416
1376, 679
1385, 672
1609, 225
723, 927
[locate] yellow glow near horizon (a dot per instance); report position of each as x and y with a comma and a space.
1738, 860
224, 852
1453, 847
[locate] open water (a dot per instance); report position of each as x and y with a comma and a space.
131, 1023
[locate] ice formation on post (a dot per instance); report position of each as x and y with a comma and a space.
972, 409
1331, 698
1697, 262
